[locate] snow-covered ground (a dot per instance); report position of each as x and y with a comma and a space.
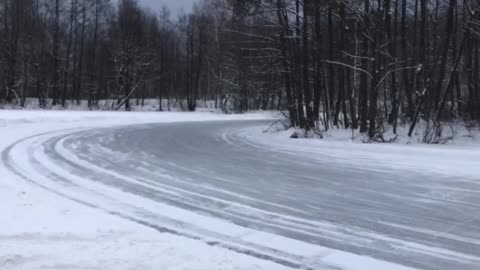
101, 227
146, 105
456, 133
456, 158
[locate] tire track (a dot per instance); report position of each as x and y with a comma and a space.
144, 218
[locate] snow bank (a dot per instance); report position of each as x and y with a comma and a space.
457, 159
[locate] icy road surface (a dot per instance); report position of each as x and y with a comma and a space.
208, 181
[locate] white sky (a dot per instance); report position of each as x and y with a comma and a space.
175, 6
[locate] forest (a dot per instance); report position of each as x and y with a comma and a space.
364, 65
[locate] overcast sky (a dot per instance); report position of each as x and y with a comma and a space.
174, 5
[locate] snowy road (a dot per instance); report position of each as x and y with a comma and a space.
207, 181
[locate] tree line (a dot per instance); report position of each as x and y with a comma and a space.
361, 64
367, 65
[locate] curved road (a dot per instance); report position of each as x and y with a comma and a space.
210, 169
